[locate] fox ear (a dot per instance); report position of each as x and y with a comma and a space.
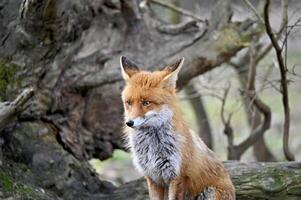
171, 76
128, 68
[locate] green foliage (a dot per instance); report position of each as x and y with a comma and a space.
5, 182
119, 156
9, 186
230, 38
8, 78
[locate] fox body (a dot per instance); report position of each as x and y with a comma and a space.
174, 161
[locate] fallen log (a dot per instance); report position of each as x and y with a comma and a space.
253, 181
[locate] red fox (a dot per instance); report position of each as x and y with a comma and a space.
174, 161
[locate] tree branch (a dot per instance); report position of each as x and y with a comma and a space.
261, 151
266, 49
9, 109
254, 11
236, 151
284, 82
177, 9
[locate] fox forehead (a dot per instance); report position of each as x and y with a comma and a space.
147, 79
140, 93
146, 86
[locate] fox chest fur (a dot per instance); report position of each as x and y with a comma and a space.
155, 153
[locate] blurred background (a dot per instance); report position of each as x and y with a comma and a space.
201, 103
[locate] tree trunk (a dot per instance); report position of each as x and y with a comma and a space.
69, 52
204, 129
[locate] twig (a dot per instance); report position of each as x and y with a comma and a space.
9, 109
198, 94
178, 28
284, 21
254, 11
177, 9
235, 151
228, 130
224, 100
266, 76
260, 105
266, 49
289, 30
283, 70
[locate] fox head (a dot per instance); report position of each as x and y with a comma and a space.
148, 96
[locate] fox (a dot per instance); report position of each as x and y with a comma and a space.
175, 162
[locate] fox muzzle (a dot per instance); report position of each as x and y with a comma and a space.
139, 121
133, 123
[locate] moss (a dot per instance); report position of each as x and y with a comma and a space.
5, 182
230, 38
8, 78
295, 190
11, 187
25, 190
274, 182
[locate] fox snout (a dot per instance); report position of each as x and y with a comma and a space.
141, 121
136, 122
130, 123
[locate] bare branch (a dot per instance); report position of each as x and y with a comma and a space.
235, 151
283, 71
228, 130
177, 9
224, 100
284, 21
178, 28
9, 109
254, 11
289, 30
266, 49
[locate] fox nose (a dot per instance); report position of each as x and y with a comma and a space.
130, 123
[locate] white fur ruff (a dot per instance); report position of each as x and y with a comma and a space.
155, 147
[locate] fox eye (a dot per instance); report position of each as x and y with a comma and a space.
128, 102
146, 103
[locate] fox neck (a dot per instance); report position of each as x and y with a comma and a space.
178, 121
155, 148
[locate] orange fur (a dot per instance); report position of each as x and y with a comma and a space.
200, 168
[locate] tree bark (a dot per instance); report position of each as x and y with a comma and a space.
69, 52
34, 162
253, 181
